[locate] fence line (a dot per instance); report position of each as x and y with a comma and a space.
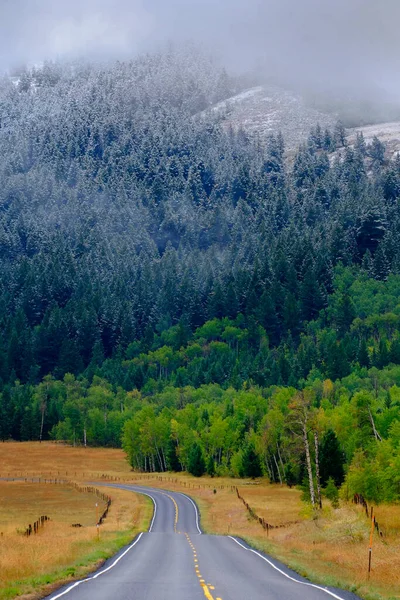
82, 489
369, 511
264, 524
93, 490
37, 524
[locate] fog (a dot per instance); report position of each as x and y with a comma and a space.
349, 45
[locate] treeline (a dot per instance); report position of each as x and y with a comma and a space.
222, 400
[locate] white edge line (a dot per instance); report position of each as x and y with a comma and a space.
100, 572
195, 509
139, 490
285, 574
170, 492
155, 508
119, 557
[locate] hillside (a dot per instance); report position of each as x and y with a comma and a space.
265, 110
388, 134
262, 111
122, 215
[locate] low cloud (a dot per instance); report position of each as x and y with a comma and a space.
348, 44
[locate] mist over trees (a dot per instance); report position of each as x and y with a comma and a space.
144, 250
124, 212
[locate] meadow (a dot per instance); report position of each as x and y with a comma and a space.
33, 566
331, 546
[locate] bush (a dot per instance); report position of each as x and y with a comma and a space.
332, 493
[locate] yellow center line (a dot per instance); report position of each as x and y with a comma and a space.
206, 587
176, 513
207, 592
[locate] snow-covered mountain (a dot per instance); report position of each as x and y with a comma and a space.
388, 133
261, 111
265, 110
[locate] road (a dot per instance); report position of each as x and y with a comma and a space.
175, 561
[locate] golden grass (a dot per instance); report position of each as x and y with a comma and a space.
331, 549
60, 552
22, 503
57, 460
388, 517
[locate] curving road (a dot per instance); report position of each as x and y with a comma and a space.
174, 561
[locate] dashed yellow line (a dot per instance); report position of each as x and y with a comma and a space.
176, 511
206, 587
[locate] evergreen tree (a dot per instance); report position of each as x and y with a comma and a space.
370, 231
290, 477
5, 418
394, 355
376, 150
340, 134
360, 145
363, 355
173, 463
196, 464
345, 313
331, 459
328, 143
251, 464
381, 264
210, 466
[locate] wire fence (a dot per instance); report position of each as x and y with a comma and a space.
369, 511
39, 524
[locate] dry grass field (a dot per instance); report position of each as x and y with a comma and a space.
331, 548
22, 503
59, 552
57, 460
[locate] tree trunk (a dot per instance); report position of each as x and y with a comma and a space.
165, 460
269, 470
160, 459
281, 461
317, 468
308, 462
42, 423
84, 435
376, 434
277, 468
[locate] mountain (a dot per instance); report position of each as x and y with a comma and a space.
265, 110
387, 133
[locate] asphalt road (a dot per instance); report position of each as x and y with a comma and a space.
175, 561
